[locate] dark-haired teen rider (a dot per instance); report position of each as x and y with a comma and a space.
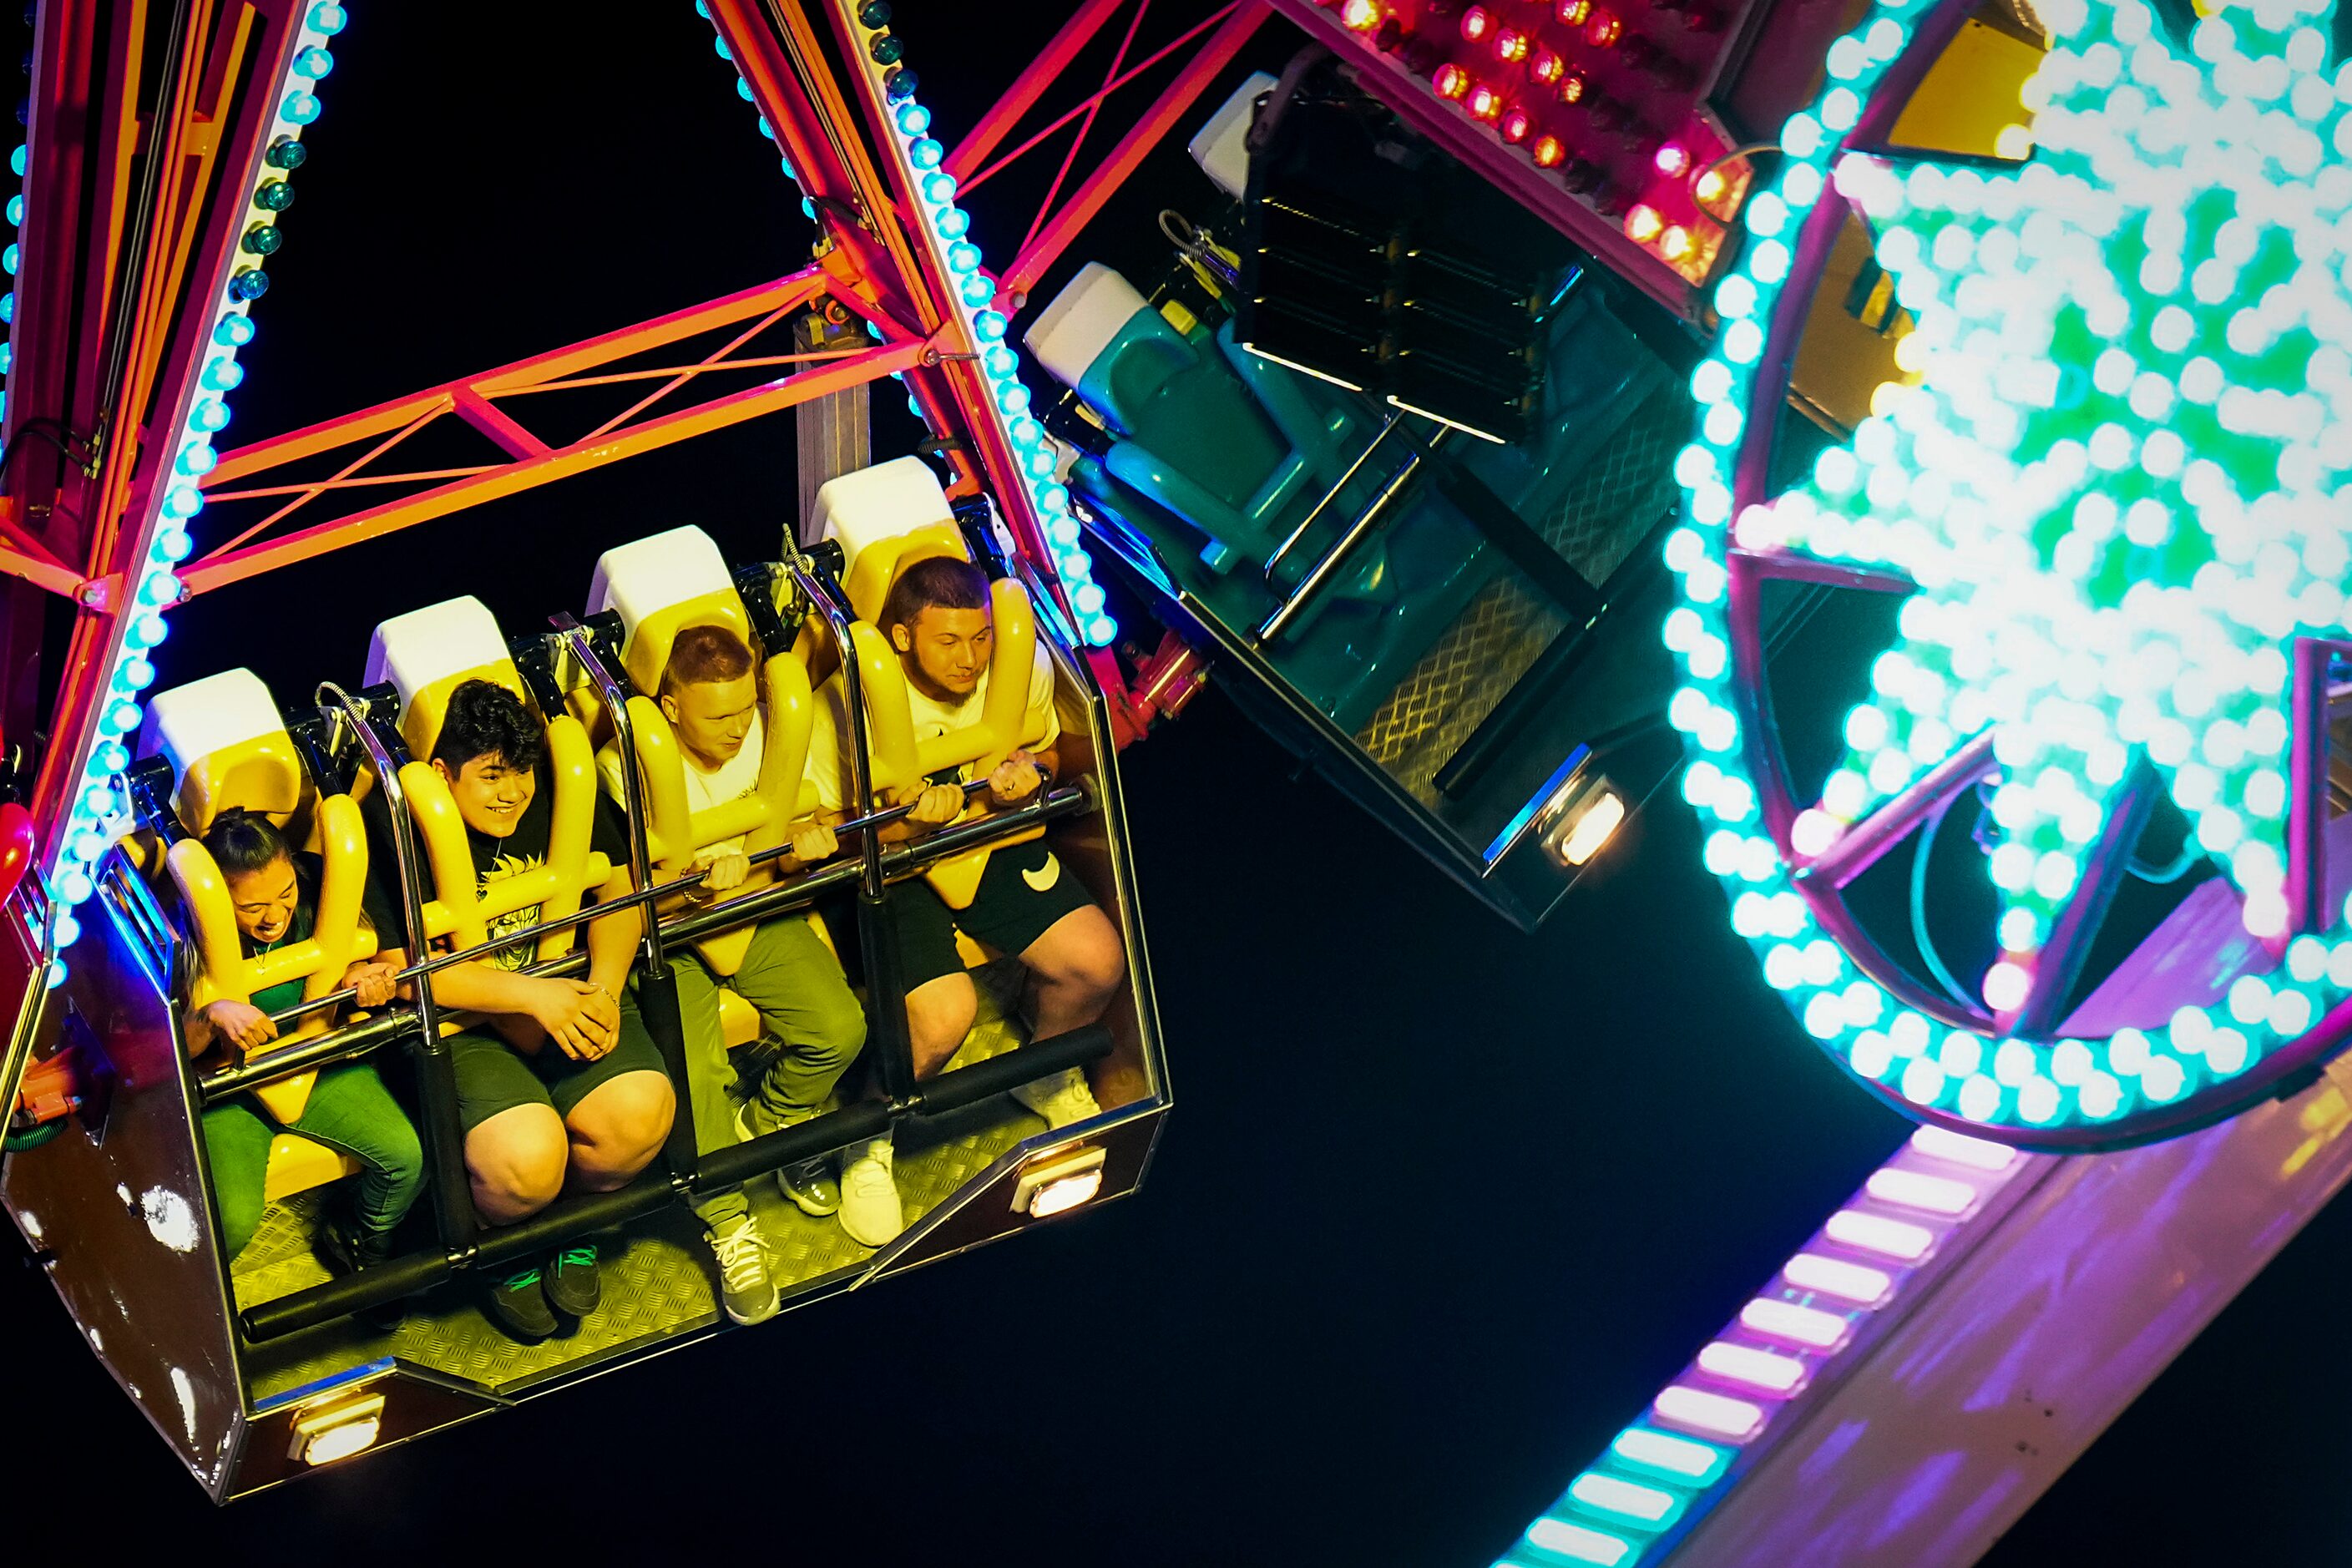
937, 617
274, 894
562, 1081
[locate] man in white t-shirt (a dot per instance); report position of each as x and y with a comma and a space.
709, 694
937, 618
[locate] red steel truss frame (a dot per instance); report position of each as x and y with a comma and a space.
130, 230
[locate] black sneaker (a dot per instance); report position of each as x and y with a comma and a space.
571, 1285
349, 1247
518, 1305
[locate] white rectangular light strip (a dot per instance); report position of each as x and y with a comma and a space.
1610, 1494
1578, 1544
1757, 1368
1664, 1451
1716, 1413
1876, 1232
1829, 1276
1918, 1190
1807, 1326
1977, 1154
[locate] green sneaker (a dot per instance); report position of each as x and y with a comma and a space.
517, 1304
571, 1286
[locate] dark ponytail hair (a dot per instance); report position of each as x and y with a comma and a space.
243, 842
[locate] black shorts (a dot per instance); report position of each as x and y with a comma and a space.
492, 1075
1024, 891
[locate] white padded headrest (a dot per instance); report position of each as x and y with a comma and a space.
654, 573
1221, 146
881, 503
204, 716
417, 649
1090, 311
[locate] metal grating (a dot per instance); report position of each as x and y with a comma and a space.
656, 1276
1612, 508
1457, 683
1629, 486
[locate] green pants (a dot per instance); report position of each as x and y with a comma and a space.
350, 1110
804, 999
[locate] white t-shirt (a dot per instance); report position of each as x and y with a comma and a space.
933, 719
704, 789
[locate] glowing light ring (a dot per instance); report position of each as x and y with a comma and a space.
1975, 484
98, 812
943, 231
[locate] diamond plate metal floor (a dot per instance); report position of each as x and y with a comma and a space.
1615, 504
657, 1275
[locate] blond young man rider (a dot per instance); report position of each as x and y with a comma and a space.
709, 694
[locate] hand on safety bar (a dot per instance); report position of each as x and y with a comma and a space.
371, 982
240, 1025
723, 874
814, 841
934, 806
1017, 779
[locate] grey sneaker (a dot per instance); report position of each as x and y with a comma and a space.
745, 1287
810, 1185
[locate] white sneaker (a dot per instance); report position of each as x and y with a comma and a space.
745, 1287
869, 1196
1061, 1099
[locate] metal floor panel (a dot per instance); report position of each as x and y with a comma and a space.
1613, 505
657, 1275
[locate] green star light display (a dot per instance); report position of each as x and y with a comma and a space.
2121, 487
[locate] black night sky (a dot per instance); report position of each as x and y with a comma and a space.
1439, 1206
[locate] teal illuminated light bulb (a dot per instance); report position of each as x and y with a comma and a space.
2115, 484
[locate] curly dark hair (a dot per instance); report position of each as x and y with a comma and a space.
485, 720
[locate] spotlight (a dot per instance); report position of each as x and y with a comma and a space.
1056, 1183
338, 1429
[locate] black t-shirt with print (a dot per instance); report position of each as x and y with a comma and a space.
495, 860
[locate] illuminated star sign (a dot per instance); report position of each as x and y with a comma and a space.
2120, 486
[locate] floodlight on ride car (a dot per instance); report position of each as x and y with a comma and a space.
337, 1428
1056, 1183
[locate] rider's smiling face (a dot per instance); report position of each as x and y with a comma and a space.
491, 794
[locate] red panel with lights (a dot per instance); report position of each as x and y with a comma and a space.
1605, 97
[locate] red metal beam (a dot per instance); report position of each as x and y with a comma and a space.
528, 473
533, 373
1027, 87
1088, 103
1172, 104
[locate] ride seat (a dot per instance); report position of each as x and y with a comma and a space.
228, 748
886, 518
426, 655
1221, 147
1228, 442
661, 586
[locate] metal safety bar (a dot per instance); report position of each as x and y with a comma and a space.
42, 928
656, 986
784, 897
1328, 563
877, 939
776, 1151
1274, 561
445, 1133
